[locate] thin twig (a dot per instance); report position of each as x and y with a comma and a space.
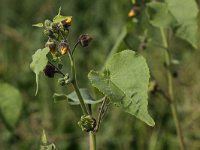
74, 48
102, 111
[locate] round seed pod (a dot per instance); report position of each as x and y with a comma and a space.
84, 40
49, 71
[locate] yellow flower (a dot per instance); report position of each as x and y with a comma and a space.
67, 22
134, 11
63, 50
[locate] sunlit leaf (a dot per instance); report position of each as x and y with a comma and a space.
39, 62
125, 82
10, 104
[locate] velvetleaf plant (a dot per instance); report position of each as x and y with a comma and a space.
123, 81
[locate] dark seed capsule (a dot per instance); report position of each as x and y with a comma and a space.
49, 71
175, 74
84, 40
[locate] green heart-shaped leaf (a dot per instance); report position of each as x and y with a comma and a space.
125, 82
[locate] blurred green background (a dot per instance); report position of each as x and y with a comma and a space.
104, 21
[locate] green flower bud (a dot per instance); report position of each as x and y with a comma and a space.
87, 123
61, 81
47, 23
48, 32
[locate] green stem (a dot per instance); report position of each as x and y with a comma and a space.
75, 85
171, 92
92, 135
92, 140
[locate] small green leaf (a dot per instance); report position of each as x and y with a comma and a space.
59, 18
39, 62
39, 25
10, 104
43, 137
125, 82
73, 99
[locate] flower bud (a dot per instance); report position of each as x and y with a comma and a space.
135, 11
47, 23
63, 47
49, 71
61, 81
87, 123
84, 40
48, 32
67, 22
52, 46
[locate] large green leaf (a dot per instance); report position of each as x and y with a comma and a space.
10, 104
125, 81
179, 15
159, 14
72, 98
183, 10
39, 62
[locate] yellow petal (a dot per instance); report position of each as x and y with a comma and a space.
131, 13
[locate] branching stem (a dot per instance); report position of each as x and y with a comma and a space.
171, 92
92, 136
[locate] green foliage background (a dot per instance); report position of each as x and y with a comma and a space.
104, 21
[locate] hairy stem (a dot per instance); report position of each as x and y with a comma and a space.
92, 140
171, 92
92, 136
75, 85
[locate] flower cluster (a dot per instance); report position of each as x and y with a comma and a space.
57, 32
